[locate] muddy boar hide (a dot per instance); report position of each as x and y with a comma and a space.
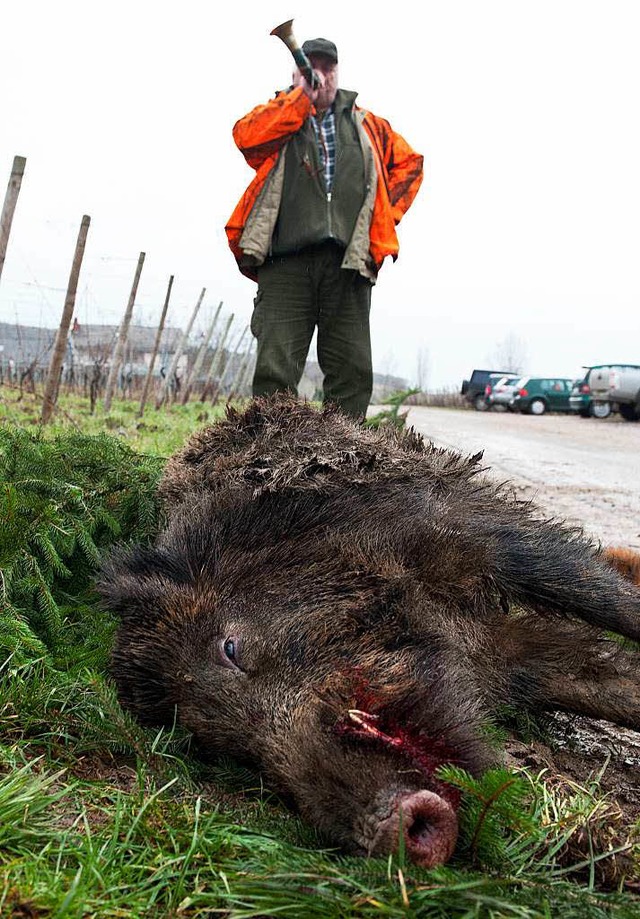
346, 609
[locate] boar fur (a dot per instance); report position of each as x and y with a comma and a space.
347, 609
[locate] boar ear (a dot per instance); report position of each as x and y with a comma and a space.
554, 568
133, 582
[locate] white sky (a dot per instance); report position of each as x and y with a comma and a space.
527, 224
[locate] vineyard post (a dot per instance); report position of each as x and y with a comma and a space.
229, 363
118, 351
11, 198
164, 391
238, 381
245, 382
217, 355
197, 364
154, 353
62, 335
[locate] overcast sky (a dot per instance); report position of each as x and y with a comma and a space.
527, 225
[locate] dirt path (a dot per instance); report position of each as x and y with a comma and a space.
583, 470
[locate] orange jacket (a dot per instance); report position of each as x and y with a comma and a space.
261, 136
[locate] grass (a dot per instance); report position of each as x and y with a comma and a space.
100, 817
158, 432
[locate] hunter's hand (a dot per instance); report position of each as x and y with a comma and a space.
299, 80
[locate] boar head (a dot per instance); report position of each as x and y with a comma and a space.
286, 633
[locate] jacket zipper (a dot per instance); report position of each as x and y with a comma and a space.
321, 178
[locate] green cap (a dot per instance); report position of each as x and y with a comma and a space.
320, 46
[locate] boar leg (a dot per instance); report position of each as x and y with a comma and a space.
554, 570
568, 666
613, 697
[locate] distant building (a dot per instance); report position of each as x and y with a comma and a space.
88, 344
91, 346
91, 343
24, 344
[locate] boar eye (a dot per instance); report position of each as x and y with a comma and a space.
229, 648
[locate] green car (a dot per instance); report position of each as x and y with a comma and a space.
581, 400
537, 395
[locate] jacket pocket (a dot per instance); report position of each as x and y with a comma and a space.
256, 317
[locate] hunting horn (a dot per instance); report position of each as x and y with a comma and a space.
285, 32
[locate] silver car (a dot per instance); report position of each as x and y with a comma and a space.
502, 392
617, 386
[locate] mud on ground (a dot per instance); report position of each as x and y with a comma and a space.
584, 470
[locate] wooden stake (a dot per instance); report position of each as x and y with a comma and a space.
217, 356
164, 392
118, 351
228, 363
60, 345
246, 382
11, 198
156, 347
238, 382
197, 364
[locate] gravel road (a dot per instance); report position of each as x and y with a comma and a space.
583, 470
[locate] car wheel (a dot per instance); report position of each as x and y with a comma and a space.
600, 409
629, 413
480, 403
537, 407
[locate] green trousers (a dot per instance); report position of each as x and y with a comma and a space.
296, 293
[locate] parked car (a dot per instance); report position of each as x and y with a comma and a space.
501, 395
537, 395
475, 389
617, 385
581, 400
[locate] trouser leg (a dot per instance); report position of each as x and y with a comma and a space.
283, 321
344, 340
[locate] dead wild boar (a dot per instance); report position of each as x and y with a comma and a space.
347, 608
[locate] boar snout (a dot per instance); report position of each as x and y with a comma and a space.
428, 824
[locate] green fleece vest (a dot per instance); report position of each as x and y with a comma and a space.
308, 215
